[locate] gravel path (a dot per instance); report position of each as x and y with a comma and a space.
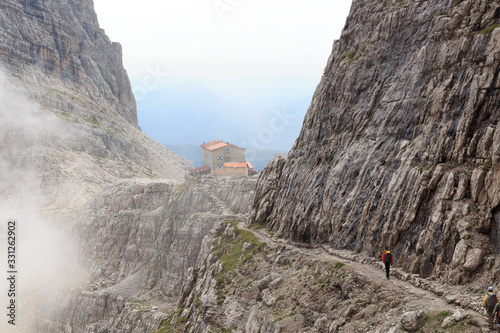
430, 295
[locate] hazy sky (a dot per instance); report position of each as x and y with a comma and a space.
224, 44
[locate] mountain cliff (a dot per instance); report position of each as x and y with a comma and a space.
68, 113
139, 239
69, 135
62, 40
399, 147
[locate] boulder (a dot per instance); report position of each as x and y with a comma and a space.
457, 316
474, 259
411, 320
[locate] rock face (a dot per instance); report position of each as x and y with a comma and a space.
68, 115
140, 238
69, 135
276, 287
411, 320
400, 144
62, 39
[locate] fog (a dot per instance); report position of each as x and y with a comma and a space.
46, 259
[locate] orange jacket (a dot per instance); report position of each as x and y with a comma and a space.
387, 253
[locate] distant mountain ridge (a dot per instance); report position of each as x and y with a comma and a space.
190, 113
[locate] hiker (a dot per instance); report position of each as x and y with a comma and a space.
489, 302
387, 260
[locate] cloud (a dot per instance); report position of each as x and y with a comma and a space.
46, 257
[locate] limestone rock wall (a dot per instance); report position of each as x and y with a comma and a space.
69, 133
62, 39
139, 240
400, 146
67, 113
276, 287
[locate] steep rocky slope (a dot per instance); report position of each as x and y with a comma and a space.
249, 281
68, 115
62, 40
400, 145
139, 239
69, 134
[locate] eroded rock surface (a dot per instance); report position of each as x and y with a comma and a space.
400, 144
68, 115
62, 39
278, 287
140, 238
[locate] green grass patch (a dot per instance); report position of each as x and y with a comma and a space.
90, 120
61, 93
221, 296
434, 320
363, 49
259, 226
165, 325
230, 251
291, 314
350, 55
489, 29
67, 117
424, 168
338, 265
444, 313
487, 166
147, 171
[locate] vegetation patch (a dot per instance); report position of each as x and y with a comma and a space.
338, 265
363, 49
67, 117
92, 121
433, 322
291, 314
166, 325
489, 29
182, 189
221, 296
424, 168
348, 55
260, 225
487, 166
147, 171
230, 251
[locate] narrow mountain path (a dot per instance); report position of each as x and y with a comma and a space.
374, 272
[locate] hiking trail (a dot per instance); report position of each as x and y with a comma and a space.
430, 296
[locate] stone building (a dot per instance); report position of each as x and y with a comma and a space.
219, 155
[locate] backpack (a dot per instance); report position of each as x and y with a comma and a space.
388, 257
491, 301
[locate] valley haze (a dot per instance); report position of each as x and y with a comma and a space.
260, 57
